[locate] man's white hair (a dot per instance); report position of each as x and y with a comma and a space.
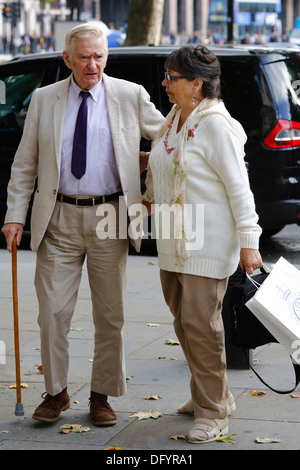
83, 31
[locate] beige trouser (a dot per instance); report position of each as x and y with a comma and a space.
196, 304
70, 239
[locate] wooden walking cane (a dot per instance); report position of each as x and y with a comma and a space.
19, 406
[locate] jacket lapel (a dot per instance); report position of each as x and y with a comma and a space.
113, 111
58, 117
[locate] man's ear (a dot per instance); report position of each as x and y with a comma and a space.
67, 60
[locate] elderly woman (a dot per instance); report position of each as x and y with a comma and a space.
196, 167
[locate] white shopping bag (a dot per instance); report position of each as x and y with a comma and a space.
276, 304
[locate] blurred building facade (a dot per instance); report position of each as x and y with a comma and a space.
184, 19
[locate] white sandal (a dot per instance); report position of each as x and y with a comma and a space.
188, 406
203, 432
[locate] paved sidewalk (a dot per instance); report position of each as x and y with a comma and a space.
153, 368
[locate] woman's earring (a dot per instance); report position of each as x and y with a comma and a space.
194, 100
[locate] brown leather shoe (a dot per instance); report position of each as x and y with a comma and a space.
50, 409
101, 412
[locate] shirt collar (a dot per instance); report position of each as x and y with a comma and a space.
95, 91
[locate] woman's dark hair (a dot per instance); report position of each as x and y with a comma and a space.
197, 62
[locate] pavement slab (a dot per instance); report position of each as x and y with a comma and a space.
153, 368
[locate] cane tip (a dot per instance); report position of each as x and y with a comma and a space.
19, 411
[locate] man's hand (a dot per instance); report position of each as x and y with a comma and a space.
143, 160
12, 230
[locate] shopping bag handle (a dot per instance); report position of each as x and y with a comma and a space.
282, 392
263, 269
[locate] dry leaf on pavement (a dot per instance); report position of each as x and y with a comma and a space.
113, 448
226, 439
146, 415
177, 437
66, 428
23, 385
266, 440
151, 397
172, 342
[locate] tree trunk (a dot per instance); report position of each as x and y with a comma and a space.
145, 19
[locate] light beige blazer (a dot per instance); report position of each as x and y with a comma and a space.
131, 116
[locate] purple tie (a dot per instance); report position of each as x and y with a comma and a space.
78, 166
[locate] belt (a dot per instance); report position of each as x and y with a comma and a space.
87, 202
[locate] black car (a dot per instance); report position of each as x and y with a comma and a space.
260, 88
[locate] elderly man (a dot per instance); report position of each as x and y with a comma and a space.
81, 141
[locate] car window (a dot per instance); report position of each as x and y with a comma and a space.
16, 95
148, 73
284, 76
242, 82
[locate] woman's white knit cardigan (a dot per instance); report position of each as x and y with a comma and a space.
203, 164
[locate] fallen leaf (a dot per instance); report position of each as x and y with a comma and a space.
146, 415
113, 448
174, 358
151, 397
66, 428
172, 342
81, 429
267, 440
295, 396
226, 439
4, 432
254, 393
177, 437
64, 431
40, 369
23, 385
76, 402
161, 357
130, 377
153, 324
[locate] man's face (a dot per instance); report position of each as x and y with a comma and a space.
87, 61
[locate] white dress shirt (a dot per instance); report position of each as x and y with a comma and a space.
101, 177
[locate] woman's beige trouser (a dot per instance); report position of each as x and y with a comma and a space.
70, 239
196, 304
